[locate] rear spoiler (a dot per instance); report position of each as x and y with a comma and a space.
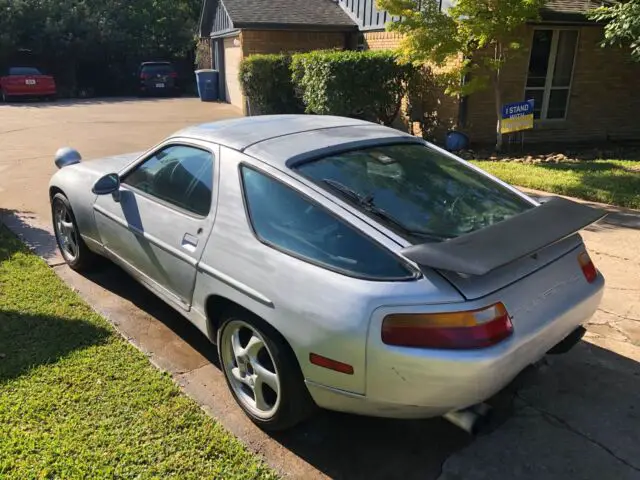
482, 251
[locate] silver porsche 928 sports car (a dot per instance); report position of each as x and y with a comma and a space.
337, 263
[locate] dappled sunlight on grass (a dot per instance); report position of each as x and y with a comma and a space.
616, 182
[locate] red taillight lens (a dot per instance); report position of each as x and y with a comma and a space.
588, 268
173, 75
144, 76
452, 330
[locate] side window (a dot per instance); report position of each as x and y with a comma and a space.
180, 175
286, 220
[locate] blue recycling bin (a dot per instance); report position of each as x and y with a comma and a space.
456, 141
207, 81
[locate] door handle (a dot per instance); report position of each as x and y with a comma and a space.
189, 242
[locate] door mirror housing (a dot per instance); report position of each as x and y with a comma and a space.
110, 183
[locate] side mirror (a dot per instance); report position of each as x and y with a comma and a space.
110, 183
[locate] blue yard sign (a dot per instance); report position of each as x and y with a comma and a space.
517, 116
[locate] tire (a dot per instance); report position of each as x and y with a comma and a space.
4, 97
72, 247
265, 349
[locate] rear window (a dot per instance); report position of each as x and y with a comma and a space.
420, 193
24, 71
161, 69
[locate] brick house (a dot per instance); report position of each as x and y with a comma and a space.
233, 29
582, 92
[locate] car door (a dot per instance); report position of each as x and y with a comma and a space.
157, 224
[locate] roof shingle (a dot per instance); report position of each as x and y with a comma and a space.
324, 13
570, 10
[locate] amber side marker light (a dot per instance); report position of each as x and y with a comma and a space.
587, 266
452, 330
325, 362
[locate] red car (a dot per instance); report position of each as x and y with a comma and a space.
21, 82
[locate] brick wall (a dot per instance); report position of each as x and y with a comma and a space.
203, 53
281, 41
381, 40
603, 103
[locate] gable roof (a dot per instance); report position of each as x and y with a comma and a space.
570, 10
275, 14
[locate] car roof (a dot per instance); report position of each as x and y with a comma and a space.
285, 139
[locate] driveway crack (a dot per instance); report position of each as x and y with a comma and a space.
567, 426
624, 317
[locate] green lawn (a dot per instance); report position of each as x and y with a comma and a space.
77, 401
608, 181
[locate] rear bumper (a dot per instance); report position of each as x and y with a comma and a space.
417, 383
31, 93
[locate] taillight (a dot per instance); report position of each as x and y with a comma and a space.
452, 330
173, 75
587, 266
144, 76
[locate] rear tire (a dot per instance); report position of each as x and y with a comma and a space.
72, 247
262, 372
4, 97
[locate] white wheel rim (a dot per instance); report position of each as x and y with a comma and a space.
249, 366
65, 231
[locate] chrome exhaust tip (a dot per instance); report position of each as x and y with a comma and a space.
471, 419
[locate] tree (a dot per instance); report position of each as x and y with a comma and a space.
468, 43
101, 40
623, 25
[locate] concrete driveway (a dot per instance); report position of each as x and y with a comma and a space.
576, 416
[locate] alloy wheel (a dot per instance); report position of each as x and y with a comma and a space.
250, 368
66, 232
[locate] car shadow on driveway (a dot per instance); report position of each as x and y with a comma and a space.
591, 389
336, 444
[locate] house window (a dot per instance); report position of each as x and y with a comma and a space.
550, 69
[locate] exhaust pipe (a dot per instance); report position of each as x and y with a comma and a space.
471, 419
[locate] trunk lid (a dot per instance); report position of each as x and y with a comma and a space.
473, 287
23, 84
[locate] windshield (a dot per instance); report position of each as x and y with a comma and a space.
415, 190
24, 71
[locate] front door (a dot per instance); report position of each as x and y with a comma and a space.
158, 223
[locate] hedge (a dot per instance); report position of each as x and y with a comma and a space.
368, 85
266, 81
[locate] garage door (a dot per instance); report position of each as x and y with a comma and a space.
232, 58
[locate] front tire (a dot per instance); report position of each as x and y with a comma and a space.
262, 372
72, 247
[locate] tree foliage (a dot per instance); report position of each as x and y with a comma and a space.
623, 25
72, 35
472, 40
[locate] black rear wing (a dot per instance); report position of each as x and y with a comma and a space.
482, 251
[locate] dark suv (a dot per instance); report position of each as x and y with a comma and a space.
158, 78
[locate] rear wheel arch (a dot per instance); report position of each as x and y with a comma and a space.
299, 405
218, 307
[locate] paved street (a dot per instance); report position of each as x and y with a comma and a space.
576, 416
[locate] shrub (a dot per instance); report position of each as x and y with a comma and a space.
266, 81
368, 85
